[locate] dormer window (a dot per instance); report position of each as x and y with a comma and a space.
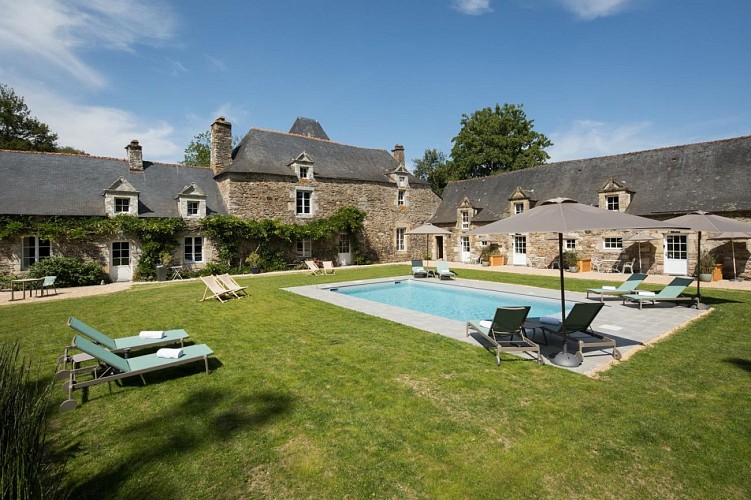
518, 208
191, 202
612, 202
303, 167
615, 196
402, 181
465, 219
122, 205
304, 172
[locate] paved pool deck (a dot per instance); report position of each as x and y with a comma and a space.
631, 328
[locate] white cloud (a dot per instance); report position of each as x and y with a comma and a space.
592, 9
587, 139
472, 7
49, 34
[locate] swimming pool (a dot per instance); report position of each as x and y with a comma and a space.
452, 302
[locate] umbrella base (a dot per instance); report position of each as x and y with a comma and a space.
565, 359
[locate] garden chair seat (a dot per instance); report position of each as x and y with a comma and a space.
49, 282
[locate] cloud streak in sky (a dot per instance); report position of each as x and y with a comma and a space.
56, 33
592, 9
472, 7
588, 139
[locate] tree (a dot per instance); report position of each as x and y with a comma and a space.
433, 168
198, 152
18, 129
495, 140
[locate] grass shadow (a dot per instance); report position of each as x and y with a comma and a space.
743, 364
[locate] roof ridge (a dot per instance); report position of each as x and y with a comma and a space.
96, 157
317, 139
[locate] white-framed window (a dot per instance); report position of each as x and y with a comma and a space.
193, 249
400, 198
401, 244
303, 205
191, 208
304, 172
34, 250
120, 253
465, 244
402, 180
344, 246
612, 202
570, 244
465, 219
612, 243
518, 208
304, 248
122, 205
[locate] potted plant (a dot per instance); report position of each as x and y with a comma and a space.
254, 260
707, 264
571, 260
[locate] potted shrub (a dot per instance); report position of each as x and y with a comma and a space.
707, 264
254, 260
571, 261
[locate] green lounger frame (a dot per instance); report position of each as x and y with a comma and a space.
418, 270
579, 320
507, 323
671, 293
624, 288
114, 367
120, 345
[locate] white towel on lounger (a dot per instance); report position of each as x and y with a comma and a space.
647, 293
167, 352
151, 334
486, 323
608, 287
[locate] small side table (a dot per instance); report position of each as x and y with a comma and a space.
176, 272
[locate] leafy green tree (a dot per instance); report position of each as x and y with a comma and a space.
198, 152
18, 129
71, 150
433, 168
497, 139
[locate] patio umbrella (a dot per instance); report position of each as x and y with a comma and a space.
639, 237
703, 221
729, 235
427, 229
561, 215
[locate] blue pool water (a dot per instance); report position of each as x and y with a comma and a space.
452, 302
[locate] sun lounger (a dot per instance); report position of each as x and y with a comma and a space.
442, 270
229, 283
671, 293
113, 367
624, 288
328, 267
418, 271
500, 332
313, 268
579, 321
215, 290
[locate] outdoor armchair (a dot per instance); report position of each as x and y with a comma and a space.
671, 293
313, 268
507, 323
328, 267
113, 367
230, 284
579, 321
624, 288
49, 282
442, 270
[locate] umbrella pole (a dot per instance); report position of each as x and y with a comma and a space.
732, 250
640, 258
563, 358
698, 269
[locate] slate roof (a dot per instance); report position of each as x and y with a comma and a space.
269, 152
309, 128
63, 184
710, 176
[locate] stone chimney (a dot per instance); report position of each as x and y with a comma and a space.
398, 154
221, 145
135, 155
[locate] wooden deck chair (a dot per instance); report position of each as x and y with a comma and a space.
579, 320
671, 293
214, 290
229, 283
328, 267
500, 332
122, 345
624, 288
113, 367
442, 270
313, 268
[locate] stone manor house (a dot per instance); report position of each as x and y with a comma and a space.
301, 176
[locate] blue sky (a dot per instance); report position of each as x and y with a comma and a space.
598, 77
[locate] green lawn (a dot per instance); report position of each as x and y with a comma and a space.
309, 400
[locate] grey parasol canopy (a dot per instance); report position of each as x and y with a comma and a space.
427, 229
561, 215
731, 235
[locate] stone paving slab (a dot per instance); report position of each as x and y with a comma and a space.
630, 327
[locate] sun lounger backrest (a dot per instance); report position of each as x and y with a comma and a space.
417, 263
101, 354
633, 281
675, 287
582, 315
213, 284
509, 319
90, 332
442, 266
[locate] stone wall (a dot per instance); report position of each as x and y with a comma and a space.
258, 196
